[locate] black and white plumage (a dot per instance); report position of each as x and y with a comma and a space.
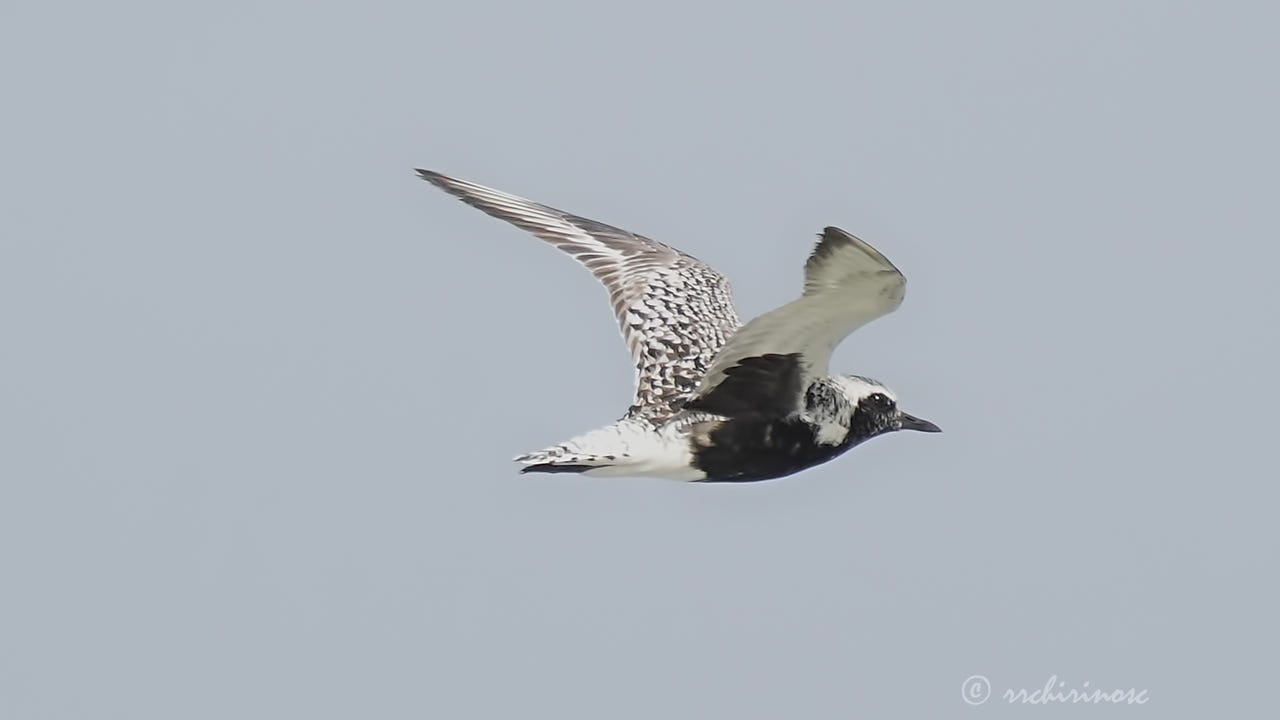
716, 400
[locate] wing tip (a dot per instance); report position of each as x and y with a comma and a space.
431, 176
466, 191
831, 233
833, 238
829, 239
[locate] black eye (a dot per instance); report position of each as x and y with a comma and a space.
880, 401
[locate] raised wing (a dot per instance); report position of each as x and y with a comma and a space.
675, 313
847, 284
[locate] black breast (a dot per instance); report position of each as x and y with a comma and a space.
748, 448
762, 438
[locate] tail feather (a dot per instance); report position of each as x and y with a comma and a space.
626, 448
554, 468
598, 448
561, 456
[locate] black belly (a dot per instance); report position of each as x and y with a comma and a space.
752, 448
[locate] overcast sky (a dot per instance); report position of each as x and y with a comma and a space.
261, 386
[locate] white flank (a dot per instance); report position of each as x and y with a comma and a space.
628, 448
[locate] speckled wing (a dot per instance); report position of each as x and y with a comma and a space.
847, 284
675, 312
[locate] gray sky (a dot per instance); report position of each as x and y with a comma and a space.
261, 385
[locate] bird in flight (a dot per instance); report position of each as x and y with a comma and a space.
716, 400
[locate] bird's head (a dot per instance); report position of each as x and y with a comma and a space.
875, 410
